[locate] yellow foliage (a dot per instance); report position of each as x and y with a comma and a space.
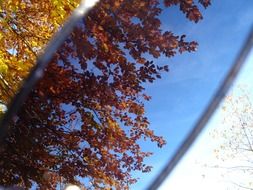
26, 26
3, 68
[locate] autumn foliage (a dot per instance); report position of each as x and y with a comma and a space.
25, 29
83, 121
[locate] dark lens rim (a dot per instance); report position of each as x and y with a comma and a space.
207, 114
58, 39
40, 65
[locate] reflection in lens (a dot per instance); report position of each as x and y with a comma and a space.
88, 121
86, 116
222, 156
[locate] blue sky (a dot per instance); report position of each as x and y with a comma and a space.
203, 154
180, 97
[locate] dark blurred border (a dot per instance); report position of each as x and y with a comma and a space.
41, 63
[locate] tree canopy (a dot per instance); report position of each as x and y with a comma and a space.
83, 122
26, 27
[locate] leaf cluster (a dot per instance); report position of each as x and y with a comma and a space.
86, 116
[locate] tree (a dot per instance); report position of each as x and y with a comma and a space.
26, 27
236, 134
83, 121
